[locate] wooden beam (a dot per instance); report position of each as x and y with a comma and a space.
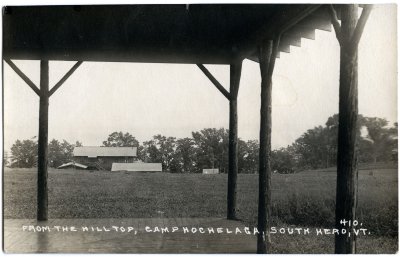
23, 76
235, 73
214, 81
335, 23
360, 25
42, 191
267, 56
64, 78
347, 172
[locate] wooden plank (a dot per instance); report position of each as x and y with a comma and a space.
214, 81
235, 73
42, 197
267, 55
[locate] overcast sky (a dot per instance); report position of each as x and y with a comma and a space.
175, 99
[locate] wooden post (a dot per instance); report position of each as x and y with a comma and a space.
267, 54
235, 72
44, 94
348, 34
42, 202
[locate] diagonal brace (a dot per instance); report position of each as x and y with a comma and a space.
63, 79
23, 76
214, 81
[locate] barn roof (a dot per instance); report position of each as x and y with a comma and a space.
175, 33
95, 151
136, 166
72, 164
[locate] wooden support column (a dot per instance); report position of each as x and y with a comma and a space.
44, 94
348, 34
235, 72
267, 52
42, 197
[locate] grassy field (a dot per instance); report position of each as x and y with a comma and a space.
304, 199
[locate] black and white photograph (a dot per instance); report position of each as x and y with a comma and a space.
252, 128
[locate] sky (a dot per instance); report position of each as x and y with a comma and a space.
176, 99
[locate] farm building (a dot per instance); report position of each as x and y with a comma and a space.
210, 171
102, 158
137, 166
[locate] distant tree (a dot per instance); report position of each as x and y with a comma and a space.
317, 147
248, 156
141, 153
55, 153
60, 153
161, 149
185, 155
313, 147
119, 139
166, 147
150, 152
283, 160
380, 140
24, 154
211, 148
78, 144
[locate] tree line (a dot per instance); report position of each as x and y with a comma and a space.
317, 147
208, 148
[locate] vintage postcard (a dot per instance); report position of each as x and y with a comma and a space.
200, 128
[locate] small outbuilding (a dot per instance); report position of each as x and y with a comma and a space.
210, 171
137, 166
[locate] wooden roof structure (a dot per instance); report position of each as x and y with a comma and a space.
198, 33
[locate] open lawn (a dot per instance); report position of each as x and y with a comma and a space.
305, 199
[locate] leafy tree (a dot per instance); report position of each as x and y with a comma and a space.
317, 148
119, 139
161, 149
248, 156
24, 154
60, 153
55, 153
185, 155
283, 160
381, 140
166, 147
313, 147
211, 148
150, 152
